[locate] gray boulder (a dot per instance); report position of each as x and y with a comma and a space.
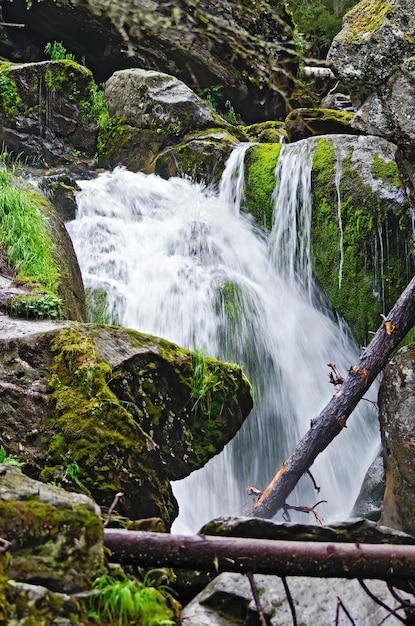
56, 536
152, 112
373, 55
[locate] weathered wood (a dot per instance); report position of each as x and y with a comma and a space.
264, 556
331, 421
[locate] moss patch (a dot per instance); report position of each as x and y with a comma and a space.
51, 545
260, 163
365, 19
93, 428
386, 171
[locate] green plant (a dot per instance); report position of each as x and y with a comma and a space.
122, 600
96, 108
56, 51
36, 306
212, 95
8, 459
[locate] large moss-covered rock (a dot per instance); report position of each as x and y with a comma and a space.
361, 229
43, 111
126, 412
397, 421
56, 536
247, 47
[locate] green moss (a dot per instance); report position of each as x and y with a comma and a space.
116, 134
386, 171
368, 284
260, 163
64, 75
366, 18
10, 99
90, 425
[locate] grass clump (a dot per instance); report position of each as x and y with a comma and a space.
122, 600
25, 235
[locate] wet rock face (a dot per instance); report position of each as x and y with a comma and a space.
397, 420
203, 43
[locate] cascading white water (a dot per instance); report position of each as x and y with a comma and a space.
180, 261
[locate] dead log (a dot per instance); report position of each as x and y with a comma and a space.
331, 421
262, 556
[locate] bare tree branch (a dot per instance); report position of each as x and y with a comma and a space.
333, 417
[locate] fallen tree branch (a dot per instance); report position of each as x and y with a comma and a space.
333, 417
265, 556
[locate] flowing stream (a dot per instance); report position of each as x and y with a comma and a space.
180, 260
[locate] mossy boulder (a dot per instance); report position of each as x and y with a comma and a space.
43, 111
377, 35
150, 111
361, 229
271, 131
56, 536
128, 411
302, 123
201, 156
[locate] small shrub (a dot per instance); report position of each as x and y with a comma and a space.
56, 51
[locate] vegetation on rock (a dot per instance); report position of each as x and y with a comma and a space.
260, 164
26, 235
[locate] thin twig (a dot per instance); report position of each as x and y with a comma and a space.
11, 24
290, 600
382, 604
339, 606
302, 509
112, 507
254, 590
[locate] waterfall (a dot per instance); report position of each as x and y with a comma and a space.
179, 260
337, 179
